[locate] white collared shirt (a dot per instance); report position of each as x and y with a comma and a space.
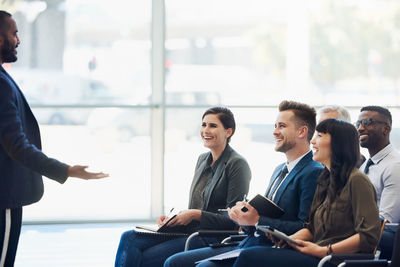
385, 176
290, 166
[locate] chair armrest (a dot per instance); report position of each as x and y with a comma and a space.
343, 257
209, 233
355, 256
217, 233
362, 263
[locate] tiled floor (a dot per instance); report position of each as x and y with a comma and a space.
76, 245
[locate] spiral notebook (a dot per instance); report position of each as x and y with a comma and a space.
163, 230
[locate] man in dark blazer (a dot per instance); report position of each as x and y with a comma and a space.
292, 189
22, 163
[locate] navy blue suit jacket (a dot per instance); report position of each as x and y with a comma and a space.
295, 195
21, 160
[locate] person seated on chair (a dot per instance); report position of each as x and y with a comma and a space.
344, 215
340, 113
374, 125
292, 190
221, 179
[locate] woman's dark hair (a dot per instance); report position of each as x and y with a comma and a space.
345, 152
225, 116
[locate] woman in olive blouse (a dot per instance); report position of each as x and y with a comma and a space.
344, 216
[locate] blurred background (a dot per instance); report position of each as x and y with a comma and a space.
121, 86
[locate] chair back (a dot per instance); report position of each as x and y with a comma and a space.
396, 249
383, 223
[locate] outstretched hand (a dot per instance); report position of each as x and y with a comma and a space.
80, 172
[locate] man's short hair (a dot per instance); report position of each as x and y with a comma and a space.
381, 110
343, 114
4, 24
305, 115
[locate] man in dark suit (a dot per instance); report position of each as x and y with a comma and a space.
291, 187
21, 160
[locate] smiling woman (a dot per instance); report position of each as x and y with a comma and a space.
221, 179
343, 194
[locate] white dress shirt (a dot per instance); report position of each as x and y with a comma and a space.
290, 166
385, 176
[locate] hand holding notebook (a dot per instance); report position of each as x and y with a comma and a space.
265, 207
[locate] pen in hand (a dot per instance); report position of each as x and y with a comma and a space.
244, 209
167, 216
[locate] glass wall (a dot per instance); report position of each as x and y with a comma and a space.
251, 55
85, 67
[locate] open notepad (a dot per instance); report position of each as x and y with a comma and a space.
162, 229
180, 230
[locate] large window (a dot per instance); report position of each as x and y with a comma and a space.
86, 68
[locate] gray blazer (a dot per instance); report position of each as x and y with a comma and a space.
229, 184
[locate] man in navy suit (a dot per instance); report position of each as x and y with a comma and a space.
21, 160
291, 187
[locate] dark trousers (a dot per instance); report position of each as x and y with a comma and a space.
275, 257
10, 229
386, 244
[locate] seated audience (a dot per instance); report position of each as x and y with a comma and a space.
292, 190
221, 179
344, 215
383, 167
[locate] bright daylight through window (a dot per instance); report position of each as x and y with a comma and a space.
85, 66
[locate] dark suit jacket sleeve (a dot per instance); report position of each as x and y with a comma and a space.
307, 189
238, 173
15, 142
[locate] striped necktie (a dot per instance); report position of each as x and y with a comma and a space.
278, 181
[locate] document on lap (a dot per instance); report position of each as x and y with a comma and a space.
224, 256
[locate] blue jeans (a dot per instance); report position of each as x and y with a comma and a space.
188, 258
138, 249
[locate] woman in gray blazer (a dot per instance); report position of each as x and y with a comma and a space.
221, 179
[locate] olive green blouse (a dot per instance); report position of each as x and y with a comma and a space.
354, 211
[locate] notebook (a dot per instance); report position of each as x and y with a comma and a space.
265, 207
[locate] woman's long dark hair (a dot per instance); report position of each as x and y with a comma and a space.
345, 152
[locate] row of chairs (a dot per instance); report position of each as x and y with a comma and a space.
348, 260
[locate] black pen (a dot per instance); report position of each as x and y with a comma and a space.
244, 209
244, 199
169, 213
